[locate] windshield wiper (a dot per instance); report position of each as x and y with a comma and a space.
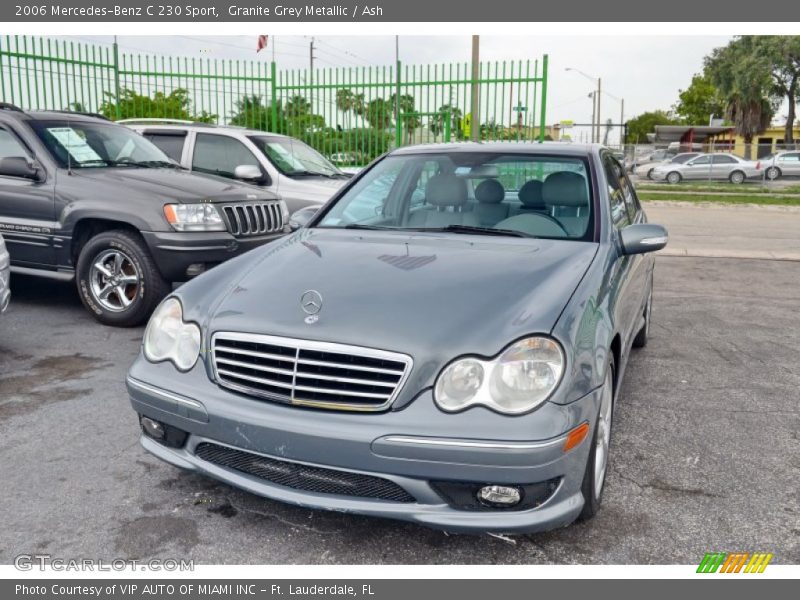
364, 226
311, 174
472, 229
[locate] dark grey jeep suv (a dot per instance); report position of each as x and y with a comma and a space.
82, 198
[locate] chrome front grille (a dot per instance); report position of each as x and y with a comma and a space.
307, 373
253, 218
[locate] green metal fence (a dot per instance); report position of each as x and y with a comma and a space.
351, 114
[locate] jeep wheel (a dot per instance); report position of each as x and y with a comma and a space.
117, 279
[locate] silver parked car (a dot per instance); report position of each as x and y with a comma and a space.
646, 169
783, 164
452, 359
718, 167
5, 275
278, 163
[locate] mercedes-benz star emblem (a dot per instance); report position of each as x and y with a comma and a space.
311, 303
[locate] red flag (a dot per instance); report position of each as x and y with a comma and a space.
262, 43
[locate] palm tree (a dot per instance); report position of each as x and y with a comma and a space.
344, 102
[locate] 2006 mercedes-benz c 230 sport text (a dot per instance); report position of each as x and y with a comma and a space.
441, 343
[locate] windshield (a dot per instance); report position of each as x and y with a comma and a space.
483, 193
294, 158
88, 144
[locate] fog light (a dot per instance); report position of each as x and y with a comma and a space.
195, 269
499, 495
153, 428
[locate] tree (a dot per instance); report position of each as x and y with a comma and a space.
697, 103
410, 118
131, 105
743, 78
297, 106
345, 102
645, 123
436, 123
378, 113
251, 112
782, 55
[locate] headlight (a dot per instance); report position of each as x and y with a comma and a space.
194, 217
169, 338
520, 379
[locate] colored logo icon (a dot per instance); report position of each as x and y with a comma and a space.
735, 562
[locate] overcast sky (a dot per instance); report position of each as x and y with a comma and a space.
646, 71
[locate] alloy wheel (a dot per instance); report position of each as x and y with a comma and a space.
603, 436
114, 280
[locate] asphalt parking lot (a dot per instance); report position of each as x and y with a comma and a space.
705, 454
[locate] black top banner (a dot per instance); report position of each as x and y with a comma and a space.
392, 11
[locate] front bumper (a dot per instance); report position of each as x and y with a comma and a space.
175, 252
411, 448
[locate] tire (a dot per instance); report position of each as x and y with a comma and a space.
650, 174
118, 282
592, 495
674, 177
640, 341
773, 173
737, 177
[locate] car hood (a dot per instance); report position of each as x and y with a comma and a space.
431, 296
173, 185
320, 188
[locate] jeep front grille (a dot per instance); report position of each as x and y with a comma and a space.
307, 373
303, 477
253, 218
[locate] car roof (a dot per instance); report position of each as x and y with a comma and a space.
49, 115
552, 148
195, 126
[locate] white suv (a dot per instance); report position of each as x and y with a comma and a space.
281, 164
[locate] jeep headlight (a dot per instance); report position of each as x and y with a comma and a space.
194, 217
168, 337
521, 378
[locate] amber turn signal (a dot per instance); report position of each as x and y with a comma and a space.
576, 436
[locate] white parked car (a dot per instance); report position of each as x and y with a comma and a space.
783, 164
5, 275
279, 163
717, 167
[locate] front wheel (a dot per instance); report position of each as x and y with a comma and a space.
674, 177
773, 173
736, 177
594, 477
117, 279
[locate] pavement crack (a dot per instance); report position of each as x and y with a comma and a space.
662, 486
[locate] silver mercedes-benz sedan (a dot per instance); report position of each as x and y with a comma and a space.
716, 167
443, 342
783, 164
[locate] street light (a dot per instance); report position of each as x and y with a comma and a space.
596, 102
597, 109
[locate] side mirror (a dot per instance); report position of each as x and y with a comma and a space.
643, 238
301, 217
249, 173
19, 166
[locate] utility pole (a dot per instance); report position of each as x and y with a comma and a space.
622, 123
311, 74
594, 113
475, 133
599, 120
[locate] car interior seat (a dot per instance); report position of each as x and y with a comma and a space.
447, 195
568, 193
490, 208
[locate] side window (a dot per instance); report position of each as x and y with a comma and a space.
616, 195
629, 194
701, 160
721, 159
10, 146
220, 155
792, 157
169, 143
